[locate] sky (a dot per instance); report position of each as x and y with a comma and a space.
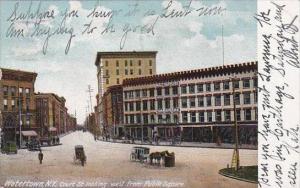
189, 42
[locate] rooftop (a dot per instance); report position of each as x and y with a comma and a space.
122, 54
12, 74
197, 73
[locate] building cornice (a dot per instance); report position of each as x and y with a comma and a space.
191, 74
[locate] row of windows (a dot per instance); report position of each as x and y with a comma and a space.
191, 88
13, 91
192, 102
128, 72
192, 117
14, 104
130, 63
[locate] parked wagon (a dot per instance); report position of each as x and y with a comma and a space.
79, 155
139, 153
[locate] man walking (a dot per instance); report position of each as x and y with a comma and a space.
41, 156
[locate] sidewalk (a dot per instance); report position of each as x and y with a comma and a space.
184, 144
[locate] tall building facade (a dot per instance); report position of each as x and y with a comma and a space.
114, 67
196, 105
17, 105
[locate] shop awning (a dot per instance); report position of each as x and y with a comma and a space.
29, 133
52, 129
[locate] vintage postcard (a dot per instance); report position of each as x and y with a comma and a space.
157, 93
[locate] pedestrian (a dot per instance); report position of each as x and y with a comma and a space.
41, 156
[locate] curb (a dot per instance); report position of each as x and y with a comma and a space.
177, 145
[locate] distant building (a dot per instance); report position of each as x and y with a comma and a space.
195, 105
52, 116
114, 67
113, 111
17, 105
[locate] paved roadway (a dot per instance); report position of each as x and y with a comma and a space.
109, 163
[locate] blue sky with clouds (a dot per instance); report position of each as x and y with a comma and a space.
182, 43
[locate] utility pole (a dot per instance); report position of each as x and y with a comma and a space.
20, 111
223, 45
90, 90
236, 157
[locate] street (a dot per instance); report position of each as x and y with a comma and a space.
109, 162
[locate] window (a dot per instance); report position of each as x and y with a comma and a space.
218, 100
151, 92
130, 94
20, 91
144, 92
192, 88
183, 89
131, 71
160, 119
184, 117
117, 63
255, 97
106, 63
138, 106
145, 105
247, 114
226, 85
246, 98
175, 103
152, 104
208, 87
131, 119
158, 90
227, 99
131, 106
237, 98
217, 86
184, 102
175, 90
209, 116
152, 118
200, 101
193, 117
218, 114
138, 118
167, 90
201, 116
145, 118
150, 62
208, 100
118, 81
107, 81
227, 115
5, 104
130, 62
126, 106
238, 114
159, 104
13, 104
5, 90
126, 72
192, 102
167, 103
150, 71
175, 118
117, 72
199, 88
107, 72
27, 120
255, 82
246, 83
140, 72
140, 62
27, 91
168, 118
137, 93
126, 63
236, 84
13, 91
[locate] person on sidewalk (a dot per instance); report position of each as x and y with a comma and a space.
41, 156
